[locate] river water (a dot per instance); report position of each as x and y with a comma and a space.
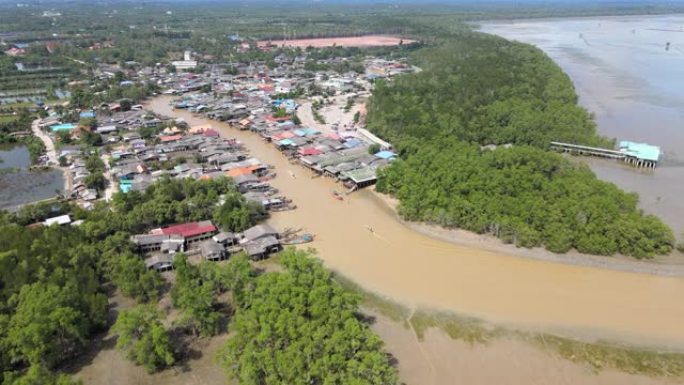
19, 185
417, 270
625, 74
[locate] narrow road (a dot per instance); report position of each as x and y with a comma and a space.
47, 141
112, 186
53, 159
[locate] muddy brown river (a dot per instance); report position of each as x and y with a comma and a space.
417, 270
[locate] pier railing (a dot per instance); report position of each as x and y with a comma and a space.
577, 149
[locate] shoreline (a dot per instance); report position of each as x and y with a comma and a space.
490, 243
521, 293
671, 265
477, 24
623, 100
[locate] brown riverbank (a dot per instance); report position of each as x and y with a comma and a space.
670, 266
417, 270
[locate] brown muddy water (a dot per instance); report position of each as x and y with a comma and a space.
416, 270
437, 360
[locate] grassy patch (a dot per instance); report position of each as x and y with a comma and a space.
602, 355
8, 118
466, 329
373, 301
599, 355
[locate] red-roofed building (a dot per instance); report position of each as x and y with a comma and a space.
192, 232
309, 151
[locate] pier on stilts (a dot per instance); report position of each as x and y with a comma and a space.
640, 155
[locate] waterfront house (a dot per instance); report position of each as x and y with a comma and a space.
146, 243
259, 231
226, 239
192, 232
262, 247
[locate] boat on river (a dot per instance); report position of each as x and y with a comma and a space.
304, 238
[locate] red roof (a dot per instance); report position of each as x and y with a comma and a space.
309, 151
190, 229
266, 87
271, 118
211, 133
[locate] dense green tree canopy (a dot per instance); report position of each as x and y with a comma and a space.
524, 196
52, 295
476, 91
301, 327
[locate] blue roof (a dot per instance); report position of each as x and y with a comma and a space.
286, 142
640, 150
386, 155
63, 127
87, 114
351, 143
125, 187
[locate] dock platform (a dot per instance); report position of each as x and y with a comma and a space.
637, 154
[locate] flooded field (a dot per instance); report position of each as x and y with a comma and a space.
627, 71
417, 270
18, 185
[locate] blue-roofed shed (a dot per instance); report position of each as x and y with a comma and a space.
641, 151
389, 155
86, 115
286, 142
62, 127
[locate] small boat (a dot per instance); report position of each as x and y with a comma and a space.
338, 195
304, 238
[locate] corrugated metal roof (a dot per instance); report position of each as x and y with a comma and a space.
640, 150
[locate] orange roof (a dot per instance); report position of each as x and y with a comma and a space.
199, 129
239, 171
243, 170
170, 138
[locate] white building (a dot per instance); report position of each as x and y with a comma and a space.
185, 64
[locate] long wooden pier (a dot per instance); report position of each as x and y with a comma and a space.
577, 149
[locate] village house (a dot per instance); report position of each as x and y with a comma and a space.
160, 262
213, 251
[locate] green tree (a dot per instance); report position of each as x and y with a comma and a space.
48, 325
195, 297
299, 327
38, 375
132, 277
143, 338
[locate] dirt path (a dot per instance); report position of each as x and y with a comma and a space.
112, 186
47, 141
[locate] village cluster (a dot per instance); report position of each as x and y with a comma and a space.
315, 118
